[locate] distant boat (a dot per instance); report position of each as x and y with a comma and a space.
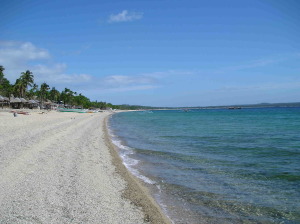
234, 108
71, 110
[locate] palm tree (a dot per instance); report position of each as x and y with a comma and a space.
33, 91
67, 96
26, 80
35, 87
81, 100
54, 94
44, 91
18, 87
5, 86
1, 71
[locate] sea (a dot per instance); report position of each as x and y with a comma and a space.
215, 165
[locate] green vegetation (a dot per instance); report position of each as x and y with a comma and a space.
5, 86
44, 92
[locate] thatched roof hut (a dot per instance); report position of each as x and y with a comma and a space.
32, 101
15, 100
4, 99
33, 104
23, 100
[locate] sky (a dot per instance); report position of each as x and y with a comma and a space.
158, 52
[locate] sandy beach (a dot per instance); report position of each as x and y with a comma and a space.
62, 168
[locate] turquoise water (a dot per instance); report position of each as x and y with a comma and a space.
216, 166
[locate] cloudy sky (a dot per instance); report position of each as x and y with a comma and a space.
158, 52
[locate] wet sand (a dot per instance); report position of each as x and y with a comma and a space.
62, 168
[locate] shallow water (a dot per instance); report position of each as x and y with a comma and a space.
216, 166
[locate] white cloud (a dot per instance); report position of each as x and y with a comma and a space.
56, 75
144, 81
17, 57
125, 16
131, 88
14, 53
122, 80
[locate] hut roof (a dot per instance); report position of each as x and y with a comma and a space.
15, 100
1, 98
32, 101
23, 100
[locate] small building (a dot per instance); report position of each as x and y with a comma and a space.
15, 102
33, 104
4, 102
24, 103
50, 105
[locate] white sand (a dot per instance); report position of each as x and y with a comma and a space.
57, 168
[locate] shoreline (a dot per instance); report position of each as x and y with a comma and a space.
135, 191
63, 168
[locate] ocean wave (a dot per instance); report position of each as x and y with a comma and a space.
129, 162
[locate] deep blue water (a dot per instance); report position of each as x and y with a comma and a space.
216, 166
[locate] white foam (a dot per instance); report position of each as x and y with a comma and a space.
124, 152
129, 162
119, 144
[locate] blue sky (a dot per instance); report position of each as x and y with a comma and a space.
157, 53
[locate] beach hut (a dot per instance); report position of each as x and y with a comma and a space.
48, 105
23, 102
33, 104
5, 101
15, 102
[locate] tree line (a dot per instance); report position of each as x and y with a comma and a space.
25, 87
